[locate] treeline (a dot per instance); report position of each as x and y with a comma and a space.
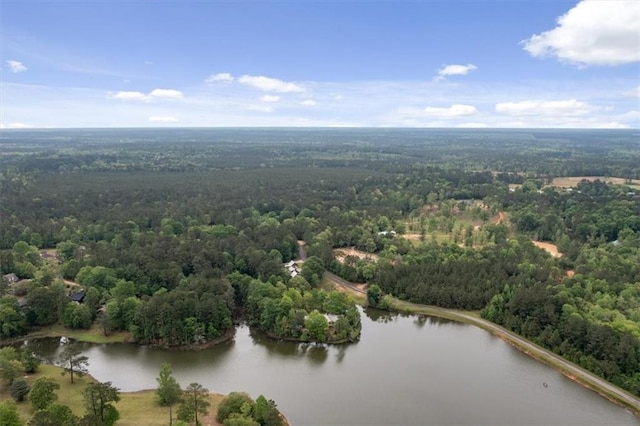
454, 277
592, 211
535, 152
173, 238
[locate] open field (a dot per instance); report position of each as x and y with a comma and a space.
572, 182
136, 408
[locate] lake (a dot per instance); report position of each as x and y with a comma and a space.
405, 370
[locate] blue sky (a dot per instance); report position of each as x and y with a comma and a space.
540, 63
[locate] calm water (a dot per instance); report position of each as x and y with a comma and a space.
404, 371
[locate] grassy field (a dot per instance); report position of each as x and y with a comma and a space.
136, 408
572, 182
92, 335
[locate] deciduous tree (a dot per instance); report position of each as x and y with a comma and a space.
43, 392
98, 398
168, 391
73, 362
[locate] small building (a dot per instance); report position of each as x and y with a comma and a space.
77, 296
292, 268
10, 278
385, 233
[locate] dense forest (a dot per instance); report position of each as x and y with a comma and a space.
172, 235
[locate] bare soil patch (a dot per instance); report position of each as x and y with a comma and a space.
342, 253
550, 248
411, 236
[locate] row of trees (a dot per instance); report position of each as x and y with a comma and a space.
98, 397
237, 409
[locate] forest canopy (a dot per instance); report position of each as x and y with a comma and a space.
174, 235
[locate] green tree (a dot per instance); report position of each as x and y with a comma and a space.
29, 361
317, 326
312, 270
169, 392
9, 414
54, 415
72, 362
77, 316
43, 392
18, 389
236, 419
231, 404
98, 398
374, 294
195, 401
266, 412
12, 322
10, 369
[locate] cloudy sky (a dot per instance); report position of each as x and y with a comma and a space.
421, 63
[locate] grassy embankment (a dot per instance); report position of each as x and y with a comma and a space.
92, 335
136, 408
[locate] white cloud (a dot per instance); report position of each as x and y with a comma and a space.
308, 102
16, 66
592, 33
223, 77
473, 125
141, 97
569, 107
260, 108
457, 110
454, 70
585, 103
163, 119
166, 94
633, 93
130, 96
270, 84
14, 126
270, 98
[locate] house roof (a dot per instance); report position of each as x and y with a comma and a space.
77, 296
10, 278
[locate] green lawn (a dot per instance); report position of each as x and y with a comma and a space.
136, 408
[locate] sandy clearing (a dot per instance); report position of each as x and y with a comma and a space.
550, 248
410, 236
342, 253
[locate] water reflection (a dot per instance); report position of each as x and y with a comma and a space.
424, 369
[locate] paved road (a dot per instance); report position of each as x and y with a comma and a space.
568, 368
